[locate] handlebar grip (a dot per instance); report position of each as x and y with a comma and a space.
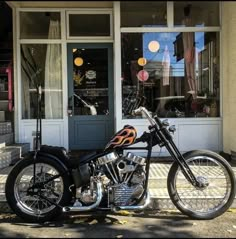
158, 121
137, 111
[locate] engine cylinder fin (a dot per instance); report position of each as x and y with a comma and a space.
122, 195
108, 169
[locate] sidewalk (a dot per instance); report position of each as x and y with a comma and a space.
157, 187
160, 224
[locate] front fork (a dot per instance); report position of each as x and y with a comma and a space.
173, 150
168, 142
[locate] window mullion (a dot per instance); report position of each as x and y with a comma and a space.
170, 14
169, 29
39, 41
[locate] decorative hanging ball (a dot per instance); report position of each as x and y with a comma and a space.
142, 61
78, 61
142, 75
154, 46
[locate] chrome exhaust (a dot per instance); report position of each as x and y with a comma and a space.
87, 208
138, 207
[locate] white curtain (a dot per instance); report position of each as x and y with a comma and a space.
53, 78
189, 57
25, 91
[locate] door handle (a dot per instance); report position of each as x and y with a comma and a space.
69, 112
70, 108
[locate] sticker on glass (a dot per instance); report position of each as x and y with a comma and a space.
142, 75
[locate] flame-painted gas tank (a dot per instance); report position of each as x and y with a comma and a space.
123, 137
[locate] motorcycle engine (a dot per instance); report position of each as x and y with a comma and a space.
125, 177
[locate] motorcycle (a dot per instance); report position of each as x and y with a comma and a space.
49, 182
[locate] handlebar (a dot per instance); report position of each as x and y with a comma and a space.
153, 120
162, 133
148, 115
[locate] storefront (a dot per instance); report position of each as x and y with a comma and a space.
97, 61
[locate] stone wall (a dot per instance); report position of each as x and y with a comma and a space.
228, 62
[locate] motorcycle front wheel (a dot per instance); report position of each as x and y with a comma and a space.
209, 201
39, 203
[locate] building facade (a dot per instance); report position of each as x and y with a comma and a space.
97, 61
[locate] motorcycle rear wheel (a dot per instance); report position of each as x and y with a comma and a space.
32, 207
214, 198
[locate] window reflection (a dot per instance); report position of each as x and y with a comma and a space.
36, 25
138, 14
93, 25
178, 77
196, 13
90, 81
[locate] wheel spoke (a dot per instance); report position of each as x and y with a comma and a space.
48, 183
214, 193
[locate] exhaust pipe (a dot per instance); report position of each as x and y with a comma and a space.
90, 207
138, 207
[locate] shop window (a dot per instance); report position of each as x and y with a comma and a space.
41, 65
172, 74
143, 13
36, 25
193, 13
89, 24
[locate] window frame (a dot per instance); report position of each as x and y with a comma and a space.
168, 18
30, 40
90, 11
171, 28
21, 41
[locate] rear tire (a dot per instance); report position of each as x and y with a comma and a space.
32, 208
217, 195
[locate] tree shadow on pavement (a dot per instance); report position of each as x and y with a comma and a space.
99, 225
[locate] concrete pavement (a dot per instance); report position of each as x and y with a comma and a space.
145, 225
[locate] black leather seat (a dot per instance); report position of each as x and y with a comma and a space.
62, 154
59, 152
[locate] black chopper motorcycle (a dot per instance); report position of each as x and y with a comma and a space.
48, 182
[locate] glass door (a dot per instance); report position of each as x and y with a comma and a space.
90, 91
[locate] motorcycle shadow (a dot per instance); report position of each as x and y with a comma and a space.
100, 225
86, 219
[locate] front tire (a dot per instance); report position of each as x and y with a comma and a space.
32, 207
215, 197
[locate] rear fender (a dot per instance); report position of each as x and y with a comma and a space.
54, 158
